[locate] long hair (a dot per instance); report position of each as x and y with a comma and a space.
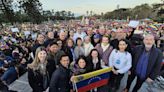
90, 54
35, 65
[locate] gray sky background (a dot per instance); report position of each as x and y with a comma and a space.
97, 6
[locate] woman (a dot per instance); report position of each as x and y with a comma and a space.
71, 34
80, 66
121, 61
79, 50
69, 49
87, 45
94, 61
104, 49
37, 73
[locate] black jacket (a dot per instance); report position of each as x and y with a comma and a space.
60, 81
67, 51
35, 79
51, 65
90, 65
154, 62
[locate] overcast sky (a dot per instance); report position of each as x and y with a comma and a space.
97, 6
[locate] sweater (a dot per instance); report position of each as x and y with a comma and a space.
120, 60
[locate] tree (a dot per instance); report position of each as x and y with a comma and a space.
87, 13
121, 13
33, 9
91, 12
69, 13
7, 10
142, 11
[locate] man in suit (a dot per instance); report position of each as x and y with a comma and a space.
146, 63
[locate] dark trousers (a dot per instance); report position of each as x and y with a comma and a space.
138, 83
115, 80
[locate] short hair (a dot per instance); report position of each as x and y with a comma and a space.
64, 55
53, 43
78, 39
106, 36
149, 35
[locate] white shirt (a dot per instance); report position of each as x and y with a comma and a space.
120, 60
87, 48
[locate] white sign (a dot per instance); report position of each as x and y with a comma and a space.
14, 30
133, 23
26, 33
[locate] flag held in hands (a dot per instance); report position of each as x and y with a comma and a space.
88, 81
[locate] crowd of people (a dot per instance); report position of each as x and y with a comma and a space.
53, 54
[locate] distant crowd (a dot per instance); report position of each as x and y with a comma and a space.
53, 53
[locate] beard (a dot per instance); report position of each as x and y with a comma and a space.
148, 46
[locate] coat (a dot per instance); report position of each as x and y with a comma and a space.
90, 65
60, 81
35, 79
154, 61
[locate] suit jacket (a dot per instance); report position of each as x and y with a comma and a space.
154, 61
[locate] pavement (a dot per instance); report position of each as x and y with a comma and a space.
22, 85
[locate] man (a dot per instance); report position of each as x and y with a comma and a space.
146, 63
39, 42
62, 38
50, 38
79, 33
54, 53
60, 81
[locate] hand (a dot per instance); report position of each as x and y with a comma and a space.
23, 61
149, 80
129, 73
115, 72
71, 90
72, 78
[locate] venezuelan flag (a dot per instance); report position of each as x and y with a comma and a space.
152, 27
88, 81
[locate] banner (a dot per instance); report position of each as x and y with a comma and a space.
133, 23
88, 81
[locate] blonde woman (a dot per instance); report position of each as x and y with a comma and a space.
38, 76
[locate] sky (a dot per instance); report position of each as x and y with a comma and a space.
97, 6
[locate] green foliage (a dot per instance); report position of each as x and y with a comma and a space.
155, 12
